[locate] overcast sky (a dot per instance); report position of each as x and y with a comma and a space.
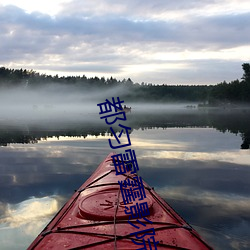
157, 41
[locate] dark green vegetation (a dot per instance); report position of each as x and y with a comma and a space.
229, 120
234, 92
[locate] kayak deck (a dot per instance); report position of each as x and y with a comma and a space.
94, 218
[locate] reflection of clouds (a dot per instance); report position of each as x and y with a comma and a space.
186, 139
2, 209
208, 183
22, 222
45, 168
58, 157
228, 203
202, 144
222, 219
237, 157
227, 240
150, 144
80, 138
176, 159
55, 153
29, 212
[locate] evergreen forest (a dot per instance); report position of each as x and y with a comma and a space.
224, 93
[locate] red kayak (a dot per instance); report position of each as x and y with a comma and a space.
101, 215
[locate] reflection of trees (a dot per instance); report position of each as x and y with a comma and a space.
16, 137
20, 134
246, 141
234, 121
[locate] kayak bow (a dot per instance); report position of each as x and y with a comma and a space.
94, 218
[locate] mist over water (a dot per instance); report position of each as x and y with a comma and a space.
55, 102
60, 107
191, 156
60, 102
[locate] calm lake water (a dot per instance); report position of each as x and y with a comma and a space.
197, 160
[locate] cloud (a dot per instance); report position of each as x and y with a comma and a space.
91, 37
150, 9
122, 30
26, 220
233, 204
29, 210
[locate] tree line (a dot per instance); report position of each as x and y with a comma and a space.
236, 122
236, 91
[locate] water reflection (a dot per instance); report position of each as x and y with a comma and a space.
233, 121
29, 210
20, 222
193, 161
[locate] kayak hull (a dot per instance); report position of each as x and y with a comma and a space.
94, 218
